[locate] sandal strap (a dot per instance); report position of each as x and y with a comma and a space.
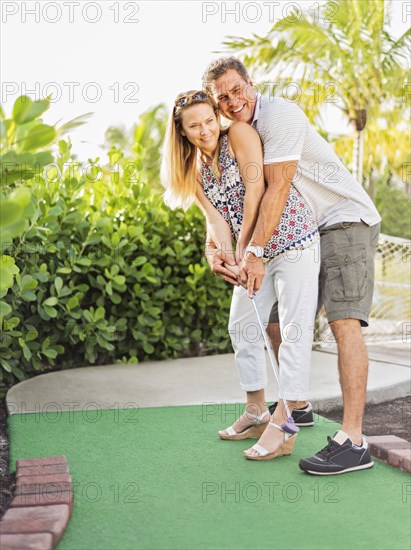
286, 434
259, 417
276, 426
231, 431
260, 450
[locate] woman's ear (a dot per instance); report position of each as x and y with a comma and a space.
182, 133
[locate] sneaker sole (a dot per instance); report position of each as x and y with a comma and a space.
363, 467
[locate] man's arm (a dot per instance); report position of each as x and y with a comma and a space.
278, 176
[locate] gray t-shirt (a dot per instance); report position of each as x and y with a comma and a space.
333, 194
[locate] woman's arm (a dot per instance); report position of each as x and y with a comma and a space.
218, 230
246, 147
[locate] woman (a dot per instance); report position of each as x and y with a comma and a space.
222, 171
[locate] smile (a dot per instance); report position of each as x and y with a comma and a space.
239, 109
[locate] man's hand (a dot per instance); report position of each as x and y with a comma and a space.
240, 251
252, 273
215, 259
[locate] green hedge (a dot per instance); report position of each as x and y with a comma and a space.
103, 272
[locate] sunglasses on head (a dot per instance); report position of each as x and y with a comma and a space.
190, 97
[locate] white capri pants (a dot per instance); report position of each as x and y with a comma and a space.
291, 279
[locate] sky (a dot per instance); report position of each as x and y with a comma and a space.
119, 58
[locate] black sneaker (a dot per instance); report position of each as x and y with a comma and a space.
302, 417
338, 457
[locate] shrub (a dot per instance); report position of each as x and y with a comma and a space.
103, 272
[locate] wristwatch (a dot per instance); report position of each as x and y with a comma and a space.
258, 251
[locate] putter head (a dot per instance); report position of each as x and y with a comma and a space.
290, 426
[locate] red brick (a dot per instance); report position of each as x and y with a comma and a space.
57, 479
45, 470
39, 484
51, 519
384, 439
381, 445
400, 458
43, 541
45, 460
43, 499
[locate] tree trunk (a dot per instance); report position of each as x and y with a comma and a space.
358, 156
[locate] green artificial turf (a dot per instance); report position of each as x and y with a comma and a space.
159, 478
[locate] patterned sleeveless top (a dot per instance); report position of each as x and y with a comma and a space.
297, 228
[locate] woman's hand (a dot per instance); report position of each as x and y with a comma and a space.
215, 259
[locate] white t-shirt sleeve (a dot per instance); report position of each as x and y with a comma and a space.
283, 129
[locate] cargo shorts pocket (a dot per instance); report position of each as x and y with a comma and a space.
346, 272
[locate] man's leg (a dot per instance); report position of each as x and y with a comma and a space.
353, 369
346, 289
274, 333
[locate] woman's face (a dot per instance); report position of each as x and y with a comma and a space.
201, 128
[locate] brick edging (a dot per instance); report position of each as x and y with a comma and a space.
392, 450
41, 508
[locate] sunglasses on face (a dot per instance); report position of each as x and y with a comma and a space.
189, 98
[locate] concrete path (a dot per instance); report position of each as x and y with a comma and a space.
192, 381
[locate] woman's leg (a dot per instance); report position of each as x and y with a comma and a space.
248, 345
296, 285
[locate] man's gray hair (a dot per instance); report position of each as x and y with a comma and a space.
219, 67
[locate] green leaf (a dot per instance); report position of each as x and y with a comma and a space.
39, 136
21, 109
52, 301
55, 211
58, 283
6, 278
11, 323
99, 314
51, 311
21, 196
72, 303
148, 348
8, 263
37, 108
5, 309
119, 279
6, 366
28, 283
28, 296
10, 212
139, 261
51, 353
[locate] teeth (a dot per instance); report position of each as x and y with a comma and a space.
239, 109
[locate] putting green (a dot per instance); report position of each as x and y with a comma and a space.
159, 478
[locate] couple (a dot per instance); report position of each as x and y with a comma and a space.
281, 202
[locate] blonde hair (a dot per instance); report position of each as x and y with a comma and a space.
180, 157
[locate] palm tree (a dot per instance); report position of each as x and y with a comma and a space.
344, 54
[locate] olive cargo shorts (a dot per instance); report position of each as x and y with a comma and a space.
346, 281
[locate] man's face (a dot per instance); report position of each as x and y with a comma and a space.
235, 97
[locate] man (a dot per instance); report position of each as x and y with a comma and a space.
349, 229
